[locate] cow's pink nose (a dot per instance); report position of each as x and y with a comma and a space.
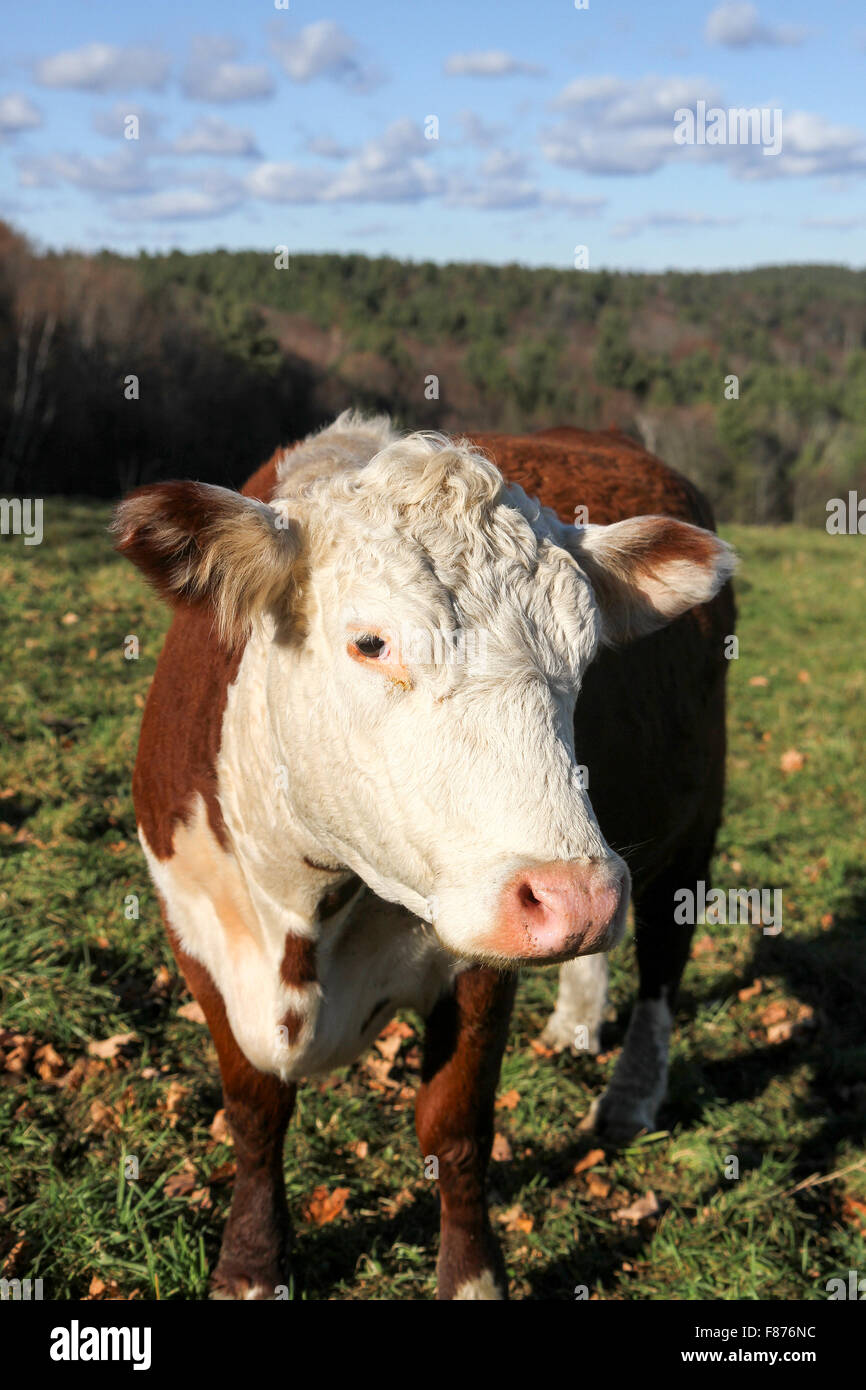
551, 912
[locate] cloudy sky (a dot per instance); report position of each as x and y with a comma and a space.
308, 126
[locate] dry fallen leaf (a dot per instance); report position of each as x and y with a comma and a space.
596, 1186
360, 1148
791, 760
750, 991
541, 1049
182, 1183
515, 1219
175, 1094
192, 1012
219, 1130
110, 1047
69, 618
589, 1160
803, 677
501, 1152
638, 1210
324, 1206
509, 1100
758, 680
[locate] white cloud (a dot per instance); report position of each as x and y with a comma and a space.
112, 122
327, 148
390, 169
611, 126
477, 131
738, 25
211, 135
122, 172
99, 67
212, 74
670, 221
18, 113
493, 62
179, 204
324, 49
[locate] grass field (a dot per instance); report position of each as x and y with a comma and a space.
769, 1058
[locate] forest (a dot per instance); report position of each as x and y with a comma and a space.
119, 370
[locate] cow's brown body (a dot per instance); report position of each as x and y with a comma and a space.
650, 728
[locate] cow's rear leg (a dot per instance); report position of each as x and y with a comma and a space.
581, 1002
255, 1253
465, 1039
637, 1088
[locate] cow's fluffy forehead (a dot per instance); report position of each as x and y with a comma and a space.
430, 523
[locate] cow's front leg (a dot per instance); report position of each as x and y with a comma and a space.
465, 1039
255, 1252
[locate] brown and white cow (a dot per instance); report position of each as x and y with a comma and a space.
358, 784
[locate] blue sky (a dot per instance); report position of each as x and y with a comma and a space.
262, 126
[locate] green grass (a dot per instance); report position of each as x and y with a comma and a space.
74, 968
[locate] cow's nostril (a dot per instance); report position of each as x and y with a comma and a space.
527, 897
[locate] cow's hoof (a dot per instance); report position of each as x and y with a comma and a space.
470, 1266
229, 1285
563, 1035
483, 1288
618, 1118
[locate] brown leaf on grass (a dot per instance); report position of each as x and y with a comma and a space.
16, 1050
639, 1210
391, 1205
14, 1256
541, 1049
174, 1098
201, 1199
162, 978
192, 1012
827, 921
360, 1148
110, 1047
502, 1152
854, 1212
803, 677
791, 760
596, 1186
509, 1100
515, 1219
49, 1063
69, 619
750, 991
774, 1013
389, 1047
182, 1183
758, 680
787, 1028
589, 1160
704, 944
219, 1130
102, 1117
324, 1206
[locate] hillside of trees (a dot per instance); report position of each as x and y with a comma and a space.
231, 356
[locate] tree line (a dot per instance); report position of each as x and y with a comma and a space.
119, 370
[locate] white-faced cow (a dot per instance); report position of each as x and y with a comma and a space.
360, 781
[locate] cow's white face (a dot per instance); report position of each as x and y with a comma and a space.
422, 676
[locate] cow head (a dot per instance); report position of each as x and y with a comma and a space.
423, 632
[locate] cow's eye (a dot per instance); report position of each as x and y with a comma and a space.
369, 645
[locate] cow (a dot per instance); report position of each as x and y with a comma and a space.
410, 731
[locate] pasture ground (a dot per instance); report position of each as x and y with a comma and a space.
769, 1059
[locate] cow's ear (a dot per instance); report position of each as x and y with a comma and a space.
194, 541
648, 570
